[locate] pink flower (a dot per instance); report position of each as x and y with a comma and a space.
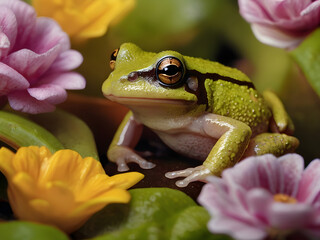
263, 196
35, 59
281, 23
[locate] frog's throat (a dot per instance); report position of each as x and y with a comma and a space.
147, 101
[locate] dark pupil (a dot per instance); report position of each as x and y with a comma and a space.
170, 70
113, 56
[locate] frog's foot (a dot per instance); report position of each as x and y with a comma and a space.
124, 155
199, 173
275, 143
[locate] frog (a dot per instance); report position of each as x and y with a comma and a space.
199, 108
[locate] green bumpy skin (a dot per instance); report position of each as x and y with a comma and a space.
199, 108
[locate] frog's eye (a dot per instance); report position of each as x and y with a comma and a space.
113, 58
169, 71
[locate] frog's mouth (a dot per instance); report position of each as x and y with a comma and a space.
148, 101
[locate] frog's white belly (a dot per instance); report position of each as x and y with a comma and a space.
189, 144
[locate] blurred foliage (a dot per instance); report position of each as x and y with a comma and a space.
208, 29
17, 230
153, 213
308, 57
213, 30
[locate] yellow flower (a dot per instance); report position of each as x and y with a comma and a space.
62, 189
83, 19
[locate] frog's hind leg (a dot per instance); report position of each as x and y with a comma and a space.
274, 143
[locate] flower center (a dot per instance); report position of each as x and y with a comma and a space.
284, 198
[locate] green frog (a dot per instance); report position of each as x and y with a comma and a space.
199, 108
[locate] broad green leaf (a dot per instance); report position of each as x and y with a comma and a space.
307, 55
17, 131
153, 213
191, 224
18, 230
71, 131
146, 231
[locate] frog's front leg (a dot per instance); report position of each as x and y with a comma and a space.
233, 138
121, 149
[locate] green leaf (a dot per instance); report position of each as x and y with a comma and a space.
143, 232
191, 224
18, 230
70, 130
153, 213
307, 55
17, 131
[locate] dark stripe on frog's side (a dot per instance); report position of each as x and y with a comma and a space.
201, 92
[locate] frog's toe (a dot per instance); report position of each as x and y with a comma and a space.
199, 173
144, 164
122, 165
180, 173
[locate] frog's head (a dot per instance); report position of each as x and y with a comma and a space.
140, 77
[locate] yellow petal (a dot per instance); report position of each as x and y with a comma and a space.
89, 168
6, 157
41, 211
68, 166
82, 19
61, 166
101, 183
26, 185
126, 180
93, 187
45, 7
44, 213
60, 196
29, 159
21, 190
101, 20
96, 204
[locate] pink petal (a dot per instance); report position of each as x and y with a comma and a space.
290, 216
281, 23
240, 207
31, 64
67, 80
259, 201
51, 93
218, 200
11, 80
66, 61
214, 196
309, 187
25, 17
313, 8
254, 172
274, 37
22, 101
235, 228
225, 215
285, 9
314, 228
254, 12
4, 45
8, 30
292, 166
46, 35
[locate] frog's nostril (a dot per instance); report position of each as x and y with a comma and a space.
133, 76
